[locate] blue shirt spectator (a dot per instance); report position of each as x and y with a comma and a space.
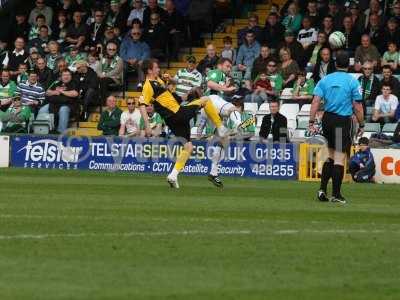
132, 48
362, 164
248, 51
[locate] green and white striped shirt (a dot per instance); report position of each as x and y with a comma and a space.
186, 80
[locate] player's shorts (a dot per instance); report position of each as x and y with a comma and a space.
179, 123
338, 131
223, 107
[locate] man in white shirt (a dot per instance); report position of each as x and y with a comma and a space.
385, 106
130, 120
308, 35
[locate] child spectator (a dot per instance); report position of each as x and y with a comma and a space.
391, 56
303, 88
362, 164
385, 106
73, 57
22, 73
262, 89
228, 51
93, 60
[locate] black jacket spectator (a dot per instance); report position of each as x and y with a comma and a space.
45, 77
374, 90
96, 33
147, 14
353, 39
21, 28
260, 65
15, 59
156, 36
319, 68
207, 62
88, 87
277, 125
273, 32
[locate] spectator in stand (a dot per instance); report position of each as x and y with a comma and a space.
274, 123
293, 19
327, 25
313, 51
260, 63
324, 66
3, 52
313, 13
22, 73
41, 42
33, 57
391, 33
357, 18
41, 9
15, 118
155, 120
153, 8
93, 60
374, 30
73, 57
253, 27
60, 66
385, 106
63, 100
261, 89
110, 36
249, 131
296, 49
352, 36
288, 68
44, 73
76, 32
374, 9
209, 61
34, 32
362, 164
303, 89
31, 93
396, 11
307, 35
136, 12
174, 23
96, 30
156, 36
217, 79
59, 28
110, 118
200, 19
228, 51
8, 89
273, 32
370, 86
274, 77
336, 12
391, 57
54, 54
69, 6
21, 27
133, 52
109, 70
88, 87
16, 57
247, 53
366, 51
117, 18
187, 78
130, 120
388, 78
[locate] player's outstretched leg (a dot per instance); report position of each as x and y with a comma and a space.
212, 114
180, 163
216, 157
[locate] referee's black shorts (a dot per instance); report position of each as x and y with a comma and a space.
179, 123
338, 131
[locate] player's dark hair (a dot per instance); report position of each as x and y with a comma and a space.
387, 67
148, 64
194, 93
222, 60
342, 59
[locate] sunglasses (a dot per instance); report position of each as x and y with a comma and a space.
130, 103
111, 49
136, 33
367, 68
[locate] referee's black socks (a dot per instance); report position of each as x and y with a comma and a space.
337, 178
327, 171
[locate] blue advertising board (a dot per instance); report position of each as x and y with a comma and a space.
248, 159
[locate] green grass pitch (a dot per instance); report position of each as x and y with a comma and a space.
84, 235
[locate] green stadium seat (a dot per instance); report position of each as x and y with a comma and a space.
372, 127
389, 127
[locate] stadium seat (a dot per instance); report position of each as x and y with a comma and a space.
299, 133
290, 110
251, 107
43, 124
291, 124
389, 128
287, 93
302, 123
372, 127
264, 108
305, 110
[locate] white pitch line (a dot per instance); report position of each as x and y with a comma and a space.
45, 236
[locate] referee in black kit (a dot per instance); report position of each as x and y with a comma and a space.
342, 97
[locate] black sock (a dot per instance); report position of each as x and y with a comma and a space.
337, 178
327, 169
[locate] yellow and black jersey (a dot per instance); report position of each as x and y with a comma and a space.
155, 92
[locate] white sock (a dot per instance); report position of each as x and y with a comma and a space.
216, 157
174, 174
235, 117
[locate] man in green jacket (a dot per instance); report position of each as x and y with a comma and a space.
110, 118
15, 118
